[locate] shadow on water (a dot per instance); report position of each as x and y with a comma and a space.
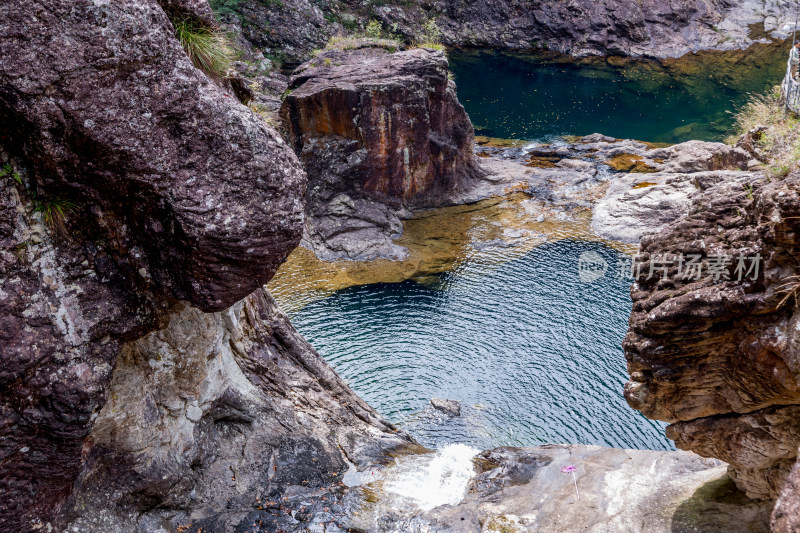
538, 97
720, 506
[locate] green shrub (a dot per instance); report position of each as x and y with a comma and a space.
430, 31
208, 48
8, 171
373, 29
430, 35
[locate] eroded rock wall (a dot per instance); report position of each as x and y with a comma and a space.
715, 356
212, 419
171, 190
290, 29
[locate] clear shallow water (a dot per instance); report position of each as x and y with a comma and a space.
532, 352
537, 98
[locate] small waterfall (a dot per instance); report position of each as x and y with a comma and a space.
423, 482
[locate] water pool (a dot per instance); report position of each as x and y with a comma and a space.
532, 352
541, 97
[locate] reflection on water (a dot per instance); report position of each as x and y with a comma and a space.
532, 352
525, 97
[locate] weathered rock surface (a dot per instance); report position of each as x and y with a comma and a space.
212, 419
524, 490
718, 357
638, 203
119, 119
181, 193
292, 28
377, 132
610, 27
786, 515
450, 407
631, 187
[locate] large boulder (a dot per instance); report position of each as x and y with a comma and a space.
172, 190
377, 131
716, 354
109, 110
218, 421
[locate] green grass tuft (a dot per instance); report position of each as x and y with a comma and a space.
430, 36
54, 212
434, 46
208, 48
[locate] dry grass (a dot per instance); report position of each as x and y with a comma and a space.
266, 115
791, 289
434, 46
779, 143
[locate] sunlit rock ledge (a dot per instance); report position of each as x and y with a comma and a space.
593, 188
532, 490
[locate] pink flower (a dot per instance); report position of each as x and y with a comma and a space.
569, 469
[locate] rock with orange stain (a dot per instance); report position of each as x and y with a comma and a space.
379, 132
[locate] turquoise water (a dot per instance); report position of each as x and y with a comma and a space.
532, 353
536, 98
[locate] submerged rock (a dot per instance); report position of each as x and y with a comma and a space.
377, 131
451, 407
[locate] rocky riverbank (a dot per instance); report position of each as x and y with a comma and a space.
150, 383
527, 490
140, 202
289, 30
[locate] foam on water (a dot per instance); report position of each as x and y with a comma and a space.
423, 482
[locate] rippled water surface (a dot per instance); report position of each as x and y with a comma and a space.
531, 351
525, 97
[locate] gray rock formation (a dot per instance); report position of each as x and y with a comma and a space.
716, 357
290, 29
210, 420
172, 163
639, 203
525, 490
450, 407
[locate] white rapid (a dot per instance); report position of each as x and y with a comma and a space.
423, 482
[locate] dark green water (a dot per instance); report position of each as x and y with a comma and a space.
538, 98
531, 351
